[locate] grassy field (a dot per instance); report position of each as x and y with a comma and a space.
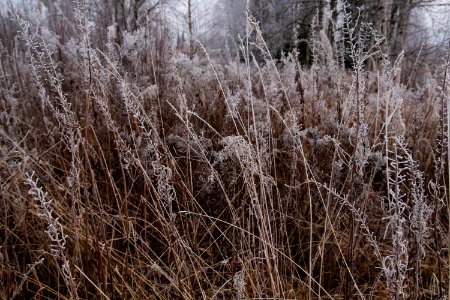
131, 171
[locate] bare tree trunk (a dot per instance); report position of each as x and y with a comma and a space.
119, 19
190, 25
319, 11
383, 17
120, 14
405, 13
398, 31
137, 5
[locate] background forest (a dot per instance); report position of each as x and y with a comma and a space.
260, 149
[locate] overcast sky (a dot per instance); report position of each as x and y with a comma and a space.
437, 19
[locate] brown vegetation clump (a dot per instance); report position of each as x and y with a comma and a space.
132, 172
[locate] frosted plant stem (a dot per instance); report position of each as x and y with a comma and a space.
25, 277
448, 158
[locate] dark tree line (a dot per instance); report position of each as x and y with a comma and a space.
286, 24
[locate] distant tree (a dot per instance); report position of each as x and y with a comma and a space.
287, 24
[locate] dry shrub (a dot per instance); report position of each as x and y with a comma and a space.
161, 177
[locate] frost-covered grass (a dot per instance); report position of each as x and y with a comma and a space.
132, 172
